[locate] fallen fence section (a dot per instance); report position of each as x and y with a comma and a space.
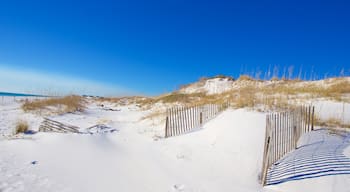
180, 120
283, 131
49, 125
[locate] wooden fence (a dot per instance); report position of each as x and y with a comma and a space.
49, 125
180, 120
283, 131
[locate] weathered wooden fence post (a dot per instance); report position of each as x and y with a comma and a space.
313, 118
266, 151
167, 124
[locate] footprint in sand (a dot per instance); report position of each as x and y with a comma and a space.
179, 187
184, 154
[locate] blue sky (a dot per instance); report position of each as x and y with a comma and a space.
151, 47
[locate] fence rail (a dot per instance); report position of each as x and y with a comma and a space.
49, 125
180, 120
283, 131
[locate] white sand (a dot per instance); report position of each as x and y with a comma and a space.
224, 156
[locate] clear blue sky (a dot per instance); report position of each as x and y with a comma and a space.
150, 47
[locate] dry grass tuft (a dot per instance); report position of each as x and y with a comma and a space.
175, 97
66, 104
245, 78
274, 79
340, 87
109, 99
183, 98
332, 122
246, 97
124, 100
21, 127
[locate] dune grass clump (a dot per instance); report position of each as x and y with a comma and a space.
331, 122
21, 127
66, 104
245, 78
246, 97
274, 79
340, 87
109, 99
176, 97
124, 100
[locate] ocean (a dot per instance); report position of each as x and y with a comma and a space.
18, 94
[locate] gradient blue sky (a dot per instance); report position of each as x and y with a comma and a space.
151, 47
